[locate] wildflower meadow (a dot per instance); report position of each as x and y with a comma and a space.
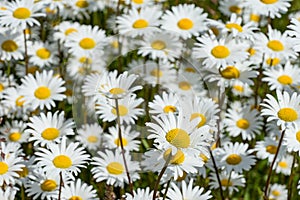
149, 99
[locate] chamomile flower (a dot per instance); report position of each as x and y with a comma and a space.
9, 193
186, 20
140, 4
187, 191
92, 82
14, 101
138, 23
278, 192
229, 7
42, 54
163, 104
12, 46
109, 166
90, 135
20, 14
241, 89
138, 194
64, 29
295, 33
285, 110
78, 190
292, 138
14, 131
42, 90
62, 158
284, 165
50, 128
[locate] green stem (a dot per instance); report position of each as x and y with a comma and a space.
291, 178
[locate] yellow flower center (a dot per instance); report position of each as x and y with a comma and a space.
225, 182
87, 43
254, 17
32, 69
122, 110
190, 69
62, 162
169, 108
177, 159
158, 45
50, 133
239, 88
9, 46
19, 101
85, 60
268, 1
298, 136
24, 172
235, 26
116, 91
285, 80
273, 61
271, 149
115, 44
156, 73
243, 123
1, 87
230, 72
233, 159
75, 198
275, 45
14, 136
118, 142
140, 23
43, 53
276, 193
184, 85
235, 9
201, 116
220, 52
69, 31
48, 185
42, 92
138, 1
115, 168
92, 139
251, 51
283, 164
178, 137
287, 114
204, 157
3, 168
185, 24
82, 4
21, 13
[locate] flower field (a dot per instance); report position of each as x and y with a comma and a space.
149, 99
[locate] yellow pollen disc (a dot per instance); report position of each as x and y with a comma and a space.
115, 168
75, 198
275, 45
50, 133
203, 119
204, 157
116, 91
1, 87
190, 69
48, 185
235, 26
181, 178
185, 24
225, 182
68, 92
62, 162
3, 168
254, 17
230, 72
273, 61
70, 30
268, 1
215, 31
122, 110
138, 1
276, 193
285, 80
27, 31
140, 23
156, 73
235, 9
85, 60
251, 51
184, 85
178, 137
9, 46
19, 101
283, 164
42, 92
177, 159
14, 136
298, 136
21, 13
32, 69
233, 159
82, 4
271, 149
118, 143
115, 44
87, 43
243, 123
220, 52
24, 172
169, 108
92, 139
238, 88
50, 11
287, 114
43, 53
158, 45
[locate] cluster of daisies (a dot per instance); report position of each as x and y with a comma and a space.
149, 99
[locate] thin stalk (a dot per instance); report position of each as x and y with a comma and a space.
61, 183
167, 188
26, 52
291, 178
272, 165
122, 146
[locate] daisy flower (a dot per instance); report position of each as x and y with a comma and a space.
295, 33
229, 7
42, 90
236, 157
50, 128
12, 46
62, 158
90, 136
284, 165
219, 53
138, 194
292, 138
160, 45
92, 82
14, 101
109, 166
20, 13
140, 4
64, 29
285, 110
9, 193
138, 23
163, 104
241, 89
184, 20
78, 190
14, 131
278, 192
187, 191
